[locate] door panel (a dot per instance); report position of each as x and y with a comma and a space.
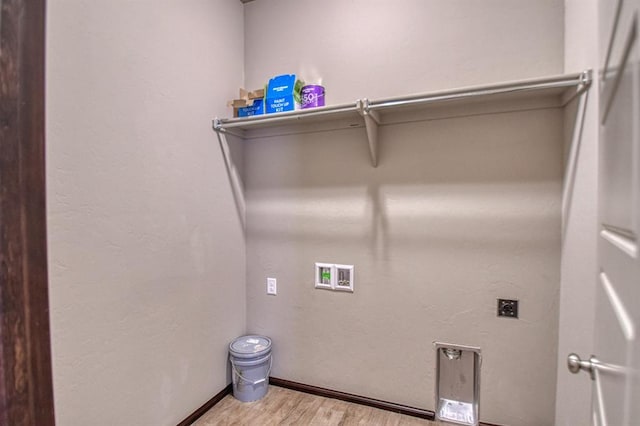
612, 347
617, 305
618, 24
619, 267
607, 19
617, 132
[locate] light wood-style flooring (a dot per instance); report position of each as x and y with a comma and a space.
287, 407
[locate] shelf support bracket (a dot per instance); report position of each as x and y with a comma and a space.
585, 79
371, 122
217, 125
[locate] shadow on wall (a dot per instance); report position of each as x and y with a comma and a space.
576, 112
232, 153
468, 182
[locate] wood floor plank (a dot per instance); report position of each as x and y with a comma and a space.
357, 415
284, 407
304, 411
328, 414
387, 418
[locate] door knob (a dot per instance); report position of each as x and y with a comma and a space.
575, 364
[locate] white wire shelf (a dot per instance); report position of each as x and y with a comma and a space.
371, 113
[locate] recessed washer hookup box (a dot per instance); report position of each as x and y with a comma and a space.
283, 93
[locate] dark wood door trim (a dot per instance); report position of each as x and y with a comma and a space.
26, 391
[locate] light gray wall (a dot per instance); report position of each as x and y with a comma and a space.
379, 48
578, 276
459, 212
146, 252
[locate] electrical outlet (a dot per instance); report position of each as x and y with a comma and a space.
272, 286
508, 308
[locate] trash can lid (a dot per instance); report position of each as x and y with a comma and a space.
250, 346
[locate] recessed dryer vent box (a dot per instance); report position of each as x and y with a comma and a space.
457, 384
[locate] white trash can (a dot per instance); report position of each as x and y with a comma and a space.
250, 358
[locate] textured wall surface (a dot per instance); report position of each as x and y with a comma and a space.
380, 48
146, 248
147, 267
578, 282
459, 212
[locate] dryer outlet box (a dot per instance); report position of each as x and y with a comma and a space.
508, 308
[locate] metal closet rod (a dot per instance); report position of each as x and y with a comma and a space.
568, 80
579, 80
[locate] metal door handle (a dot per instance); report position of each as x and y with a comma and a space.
575, 364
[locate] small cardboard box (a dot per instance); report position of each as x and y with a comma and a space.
283, 93
248, 104
252, 107
255, 94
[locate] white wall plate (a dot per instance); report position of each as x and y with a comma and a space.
324, 275
343, 278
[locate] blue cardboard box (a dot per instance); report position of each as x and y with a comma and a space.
248, 103
281, 93
256, 108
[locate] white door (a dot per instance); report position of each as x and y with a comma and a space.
616, 373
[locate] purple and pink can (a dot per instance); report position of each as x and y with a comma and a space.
312, 96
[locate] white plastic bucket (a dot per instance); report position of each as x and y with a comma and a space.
250, 358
